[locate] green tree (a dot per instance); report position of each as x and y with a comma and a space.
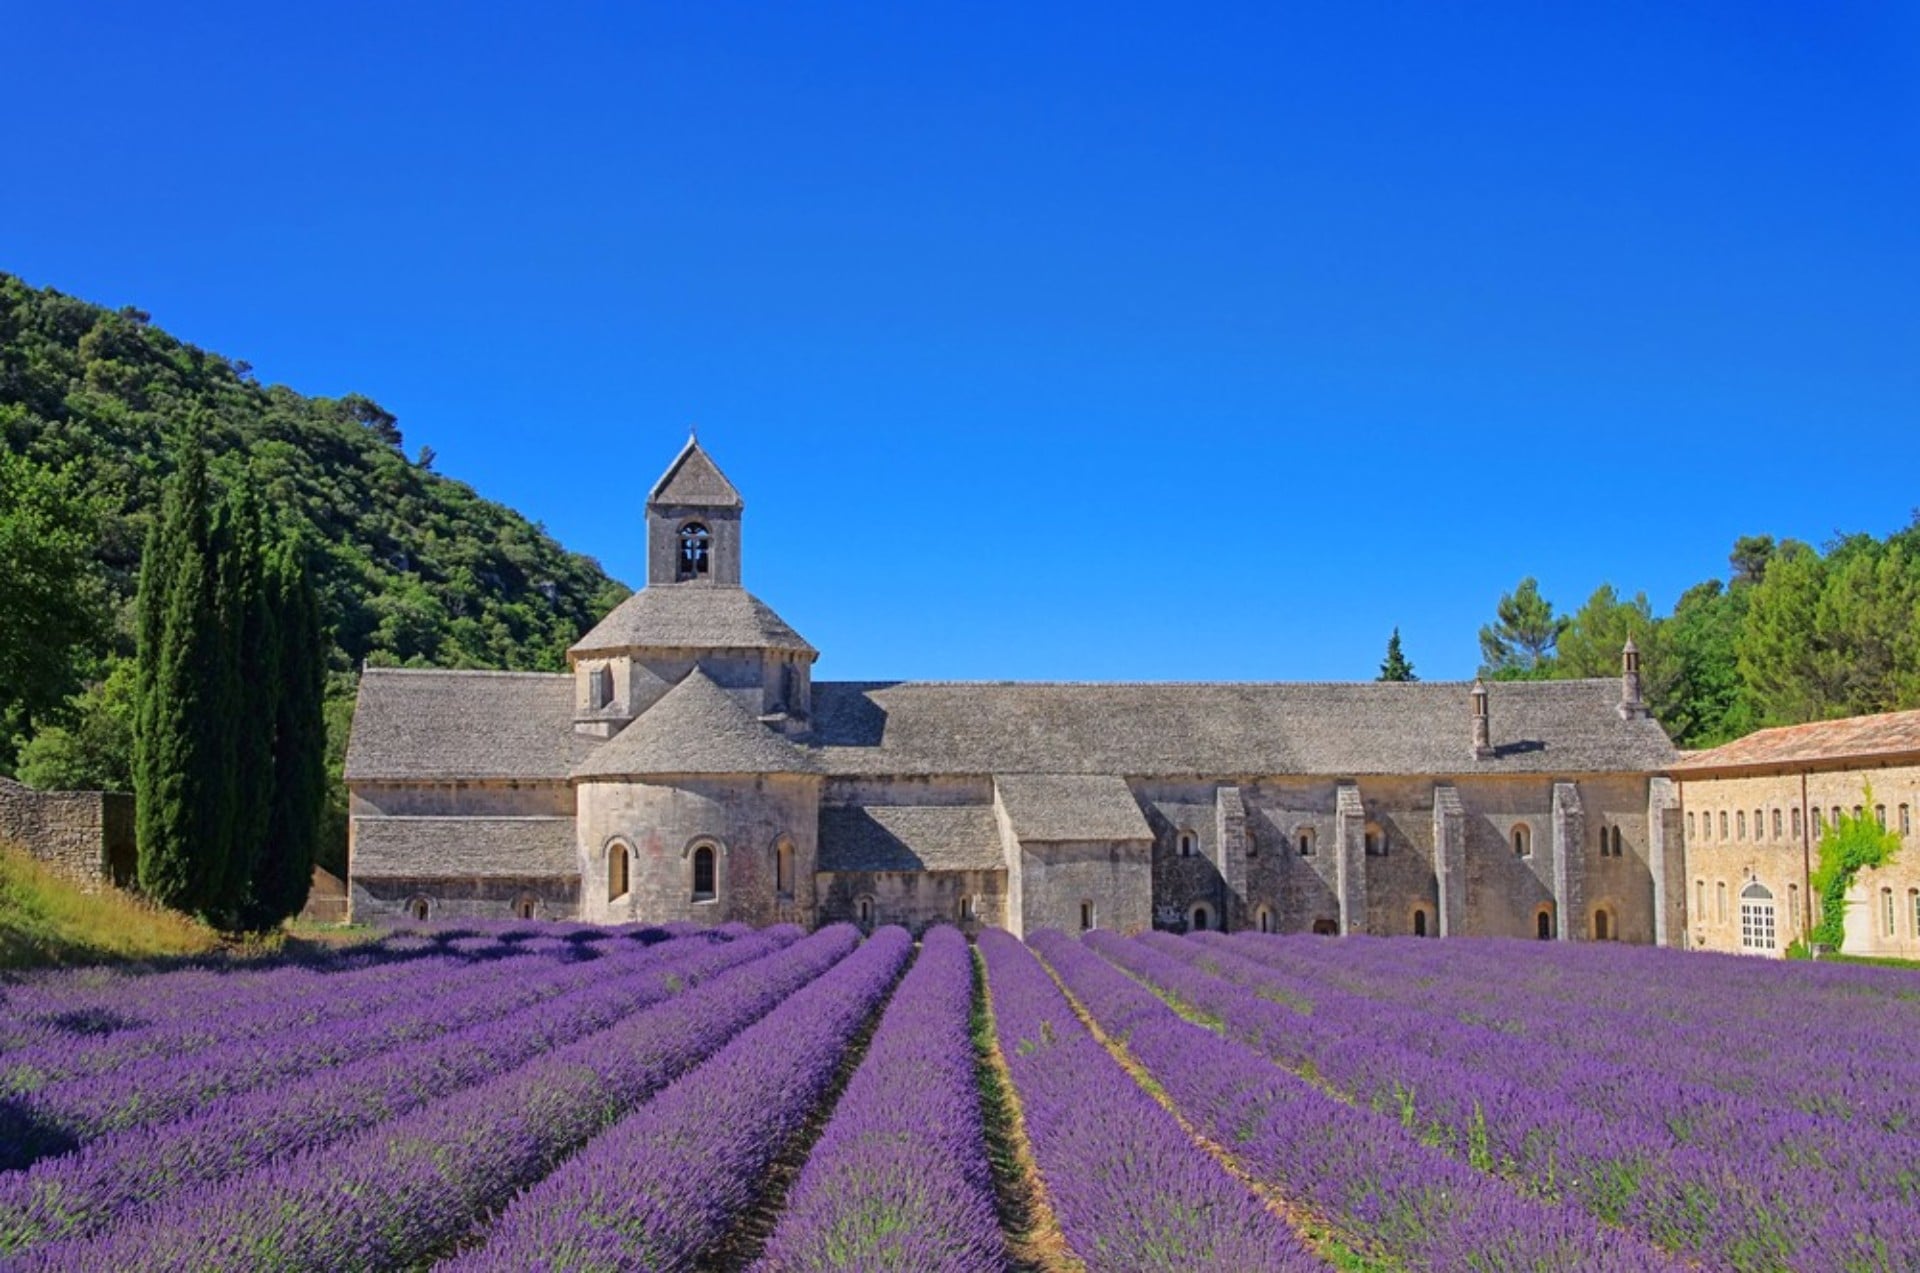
1854, 842
1594, 635
1786, 669
247, 614
53, 619
183, 740
1705, 703
93, 750
1395, 666
1519, 644
299, 769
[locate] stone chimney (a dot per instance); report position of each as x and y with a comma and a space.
1631, 706
1482, 726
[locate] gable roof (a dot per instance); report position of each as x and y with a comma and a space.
693, 478
1825, 742
1053, 807
910, 838
1137, 730
415, 724
689, 617
695, 728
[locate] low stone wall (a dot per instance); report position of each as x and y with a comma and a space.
326, 899
85, 836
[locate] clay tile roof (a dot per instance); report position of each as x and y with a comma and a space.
416, 724
693, 478
690, 616
910, 838
694, 728
1855, 738
1055, 807
1139, 730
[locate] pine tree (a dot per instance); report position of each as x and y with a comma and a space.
1519, 645
299, 780
1396, 667
183, 794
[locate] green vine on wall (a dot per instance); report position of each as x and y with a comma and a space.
1851, 843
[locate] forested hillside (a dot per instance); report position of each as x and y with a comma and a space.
413, 567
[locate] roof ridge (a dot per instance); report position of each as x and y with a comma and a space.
1173, 684
372, 669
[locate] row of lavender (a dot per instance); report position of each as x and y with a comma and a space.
1590, 1114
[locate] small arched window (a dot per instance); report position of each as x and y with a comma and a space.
783, 867
1836, 816
1880, 815
419, 908
1188, 842
1886, 909
703, 874
1819, 821
1700, 900
1086, 916
1375, 840
525, 906
1740, 825
696, 546
1420, 921
1779, 824
619, 871
1689, 825
863, 907
1201, 917
1522, 840
1723, 825
1543, 923
966, 910
1304, 839
1796, 822
1720, 901
1913, 909
1324, 927
1906, 819
1602, 925
1793, 906
1264, 918
1614, 839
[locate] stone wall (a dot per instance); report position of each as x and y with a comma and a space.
916, 900
1059, 878
1780, 859
85, 836
393, 899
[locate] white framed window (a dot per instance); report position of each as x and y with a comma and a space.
1756, 917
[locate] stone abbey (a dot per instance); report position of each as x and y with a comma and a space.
689, 767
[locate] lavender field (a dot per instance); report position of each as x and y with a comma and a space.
546, 1096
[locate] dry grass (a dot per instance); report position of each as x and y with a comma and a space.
45, 920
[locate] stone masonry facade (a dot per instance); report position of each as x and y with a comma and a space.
688, 766
85, 836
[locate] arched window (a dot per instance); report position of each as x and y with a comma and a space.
1723, 824
1740, 825
1086, 917
1201, 916
1913, 909
1264, 919
1720, 901
1819, 821
1188, 841
863, 907
1836, 816
1690, 824
783, 867
1543, 923
1376, 840
1796, 822
966, 910
1253, 849
1420, 921
1604, 929
525, 906
1304, 838
419, 908
703, 874
695, 550
1614, 835
1522, 840
1906, 819
1324, 927
1700, 900
1880, 815
1886, 909
618, 871
1779, 825
1756, 917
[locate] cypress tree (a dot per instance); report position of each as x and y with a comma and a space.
249, 620
184, 815
1395, 666
299, 772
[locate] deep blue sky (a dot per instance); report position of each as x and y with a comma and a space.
1101, 342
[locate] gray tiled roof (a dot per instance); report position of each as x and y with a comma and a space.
413, 724
693, 478
910, 838
463, 847
1138, 730
691, 616
1054, 807
695, 728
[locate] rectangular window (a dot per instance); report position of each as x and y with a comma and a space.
1086, 916
1880, 815
1906, 819
1756, 925
1886, 907
1793, 906
1819, 821
1913, 909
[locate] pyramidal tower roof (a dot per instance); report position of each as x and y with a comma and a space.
695, 729
694, 479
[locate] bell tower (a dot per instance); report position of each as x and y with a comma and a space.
693, 524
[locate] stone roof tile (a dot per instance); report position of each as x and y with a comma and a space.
695, 728
1054, 807
422, 724
910, 838
691, 616
694, 479
468, 848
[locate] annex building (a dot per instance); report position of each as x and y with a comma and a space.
688, 766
